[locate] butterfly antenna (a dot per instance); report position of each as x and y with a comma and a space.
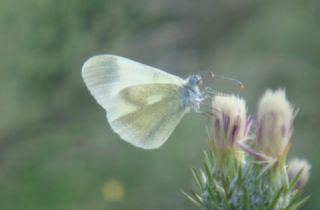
212, 75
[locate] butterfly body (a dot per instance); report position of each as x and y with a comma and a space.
192, 96
143, 104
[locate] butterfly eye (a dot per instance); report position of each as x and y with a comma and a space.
200, 83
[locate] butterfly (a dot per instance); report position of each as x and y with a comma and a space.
143, 104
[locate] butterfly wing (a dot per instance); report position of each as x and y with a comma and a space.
155, 111
143, 103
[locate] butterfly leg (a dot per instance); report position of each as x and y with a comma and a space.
208, 114
208, 92
211, 92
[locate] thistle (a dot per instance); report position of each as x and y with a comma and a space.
274, 125
230, 126
248, 171
295, 167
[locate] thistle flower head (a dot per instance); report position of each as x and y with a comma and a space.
294, 167
229, 121
264, 181
274, 124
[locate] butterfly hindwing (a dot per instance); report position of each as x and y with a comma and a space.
155, 110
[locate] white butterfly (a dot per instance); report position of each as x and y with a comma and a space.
143, 104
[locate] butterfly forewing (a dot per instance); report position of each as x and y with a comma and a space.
106, 75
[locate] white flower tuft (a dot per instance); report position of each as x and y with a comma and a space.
294, 168
274, 124
229, 121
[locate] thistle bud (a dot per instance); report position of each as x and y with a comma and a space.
294, 167
274, 124
229, 122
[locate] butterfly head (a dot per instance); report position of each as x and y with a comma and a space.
194, 81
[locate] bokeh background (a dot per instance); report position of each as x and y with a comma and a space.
56, 149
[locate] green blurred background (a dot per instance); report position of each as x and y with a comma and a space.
57, 150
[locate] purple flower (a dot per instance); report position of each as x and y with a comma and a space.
294, 168
274, 124
230, 123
